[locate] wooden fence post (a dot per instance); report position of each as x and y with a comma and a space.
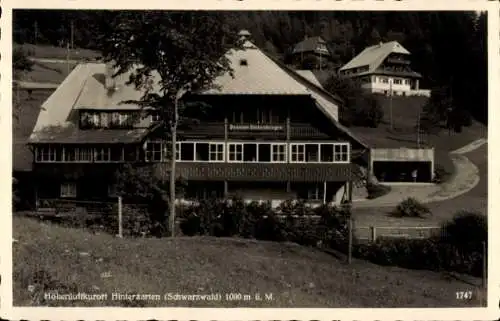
349, 250
373, 233
120, 225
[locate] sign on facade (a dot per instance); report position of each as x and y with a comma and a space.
256, 128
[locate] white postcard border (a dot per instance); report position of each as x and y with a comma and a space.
16, 313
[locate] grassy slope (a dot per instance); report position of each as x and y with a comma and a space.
405, 115
296, 276
29, 108
44, 51
48, 72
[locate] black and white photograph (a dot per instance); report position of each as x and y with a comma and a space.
250, 159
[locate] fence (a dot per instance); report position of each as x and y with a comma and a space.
372, 233
112, 215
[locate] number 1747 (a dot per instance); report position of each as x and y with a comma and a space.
464, 295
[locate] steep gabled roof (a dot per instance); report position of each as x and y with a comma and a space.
254, 73
373, 56
308, 45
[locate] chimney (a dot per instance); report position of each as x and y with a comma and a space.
110, 82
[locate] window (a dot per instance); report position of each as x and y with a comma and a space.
187, 152
202, 152
84, 154
298, 153
384, 80
104, 120
68, 189
69, 154
115, 119
235, 152
48, 154
123, 119
312, 153
326, 153
154, 151
398, 81
264, 153
279, 153
250, 152
407, 81
216, 152
155, 116
102, 154
96, 119
341, 152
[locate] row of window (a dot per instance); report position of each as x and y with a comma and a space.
395, 81
84, 154
202, 152
99, 119
251, 152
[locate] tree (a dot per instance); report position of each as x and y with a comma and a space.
20, 65
360, 108
186, 51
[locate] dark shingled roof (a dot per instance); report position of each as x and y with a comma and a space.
308, 44
71, 134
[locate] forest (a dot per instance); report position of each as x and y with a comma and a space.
448, 48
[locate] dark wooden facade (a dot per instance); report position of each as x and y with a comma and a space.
238, 118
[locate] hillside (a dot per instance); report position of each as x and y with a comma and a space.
73, 260
403, 132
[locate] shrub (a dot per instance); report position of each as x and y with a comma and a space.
441, 175
467, 231
376, 190
411, 207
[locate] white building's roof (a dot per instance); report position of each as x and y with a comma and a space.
373, 56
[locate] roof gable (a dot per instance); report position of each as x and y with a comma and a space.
254, 73
308, 44
373, 56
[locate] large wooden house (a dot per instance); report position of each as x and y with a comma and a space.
270, 134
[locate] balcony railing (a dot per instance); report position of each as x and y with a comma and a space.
398, 61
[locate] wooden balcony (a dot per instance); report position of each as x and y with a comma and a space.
295, 172
270, 131
398, 61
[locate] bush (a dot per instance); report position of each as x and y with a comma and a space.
411, 207
458, 248
376, 190
467, 231
292, 221
441, 175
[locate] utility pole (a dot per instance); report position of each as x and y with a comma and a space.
36, 31
418, 127
67, 59
390, 102
72, 34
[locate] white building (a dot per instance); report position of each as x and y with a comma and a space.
385, 68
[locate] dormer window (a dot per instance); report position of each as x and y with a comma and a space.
243, 62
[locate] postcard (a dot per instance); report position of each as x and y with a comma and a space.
249, 160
